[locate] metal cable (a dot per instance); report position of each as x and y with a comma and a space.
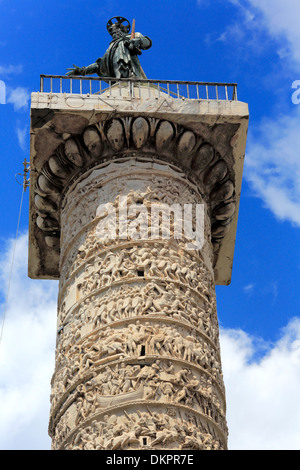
12, 262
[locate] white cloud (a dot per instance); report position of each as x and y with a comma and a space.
19, 98
249, 288
281, 19
22, 134
7, 71
262, 395
244, 30
26, 354
272, 165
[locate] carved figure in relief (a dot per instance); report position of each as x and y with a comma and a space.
164, 436
188, 348
125, 380
136, 335
126, 438
84, 439
168, 390
105, 385
193, 441
113, 344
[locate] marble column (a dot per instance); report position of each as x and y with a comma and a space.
138, 362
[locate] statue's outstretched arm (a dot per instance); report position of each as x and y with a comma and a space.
138, 43
142, 42
89, 70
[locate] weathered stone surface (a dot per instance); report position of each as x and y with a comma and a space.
138, 361
69, 123
143, 312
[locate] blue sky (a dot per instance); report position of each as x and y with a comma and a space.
252, 42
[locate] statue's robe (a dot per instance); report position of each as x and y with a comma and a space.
118, 61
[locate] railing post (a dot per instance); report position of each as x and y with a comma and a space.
235, 93
217, 94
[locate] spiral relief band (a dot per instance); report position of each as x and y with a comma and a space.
138, 341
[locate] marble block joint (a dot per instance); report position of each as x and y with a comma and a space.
138, 361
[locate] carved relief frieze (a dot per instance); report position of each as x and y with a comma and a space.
153, 193
137, 339
123, 382
140, 299
148, 262
154, 427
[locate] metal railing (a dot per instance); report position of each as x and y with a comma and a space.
136, 88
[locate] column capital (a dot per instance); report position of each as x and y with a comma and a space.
73, 134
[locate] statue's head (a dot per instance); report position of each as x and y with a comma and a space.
118, 26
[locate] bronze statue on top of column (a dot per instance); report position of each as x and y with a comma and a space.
121, 58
